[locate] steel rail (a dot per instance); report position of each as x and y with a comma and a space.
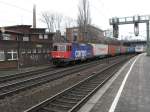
24, 74
11, 88
71, 99
33, 72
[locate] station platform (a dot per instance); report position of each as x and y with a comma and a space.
127, 91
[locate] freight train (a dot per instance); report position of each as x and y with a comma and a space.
65, 53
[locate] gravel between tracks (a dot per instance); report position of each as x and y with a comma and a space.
28, 98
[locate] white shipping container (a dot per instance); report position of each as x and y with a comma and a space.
100, 49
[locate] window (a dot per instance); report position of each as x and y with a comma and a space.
62, 48
1, 37
59, 48
11, 55
34, 51
2, 55
74, 38
48, 50
40, 36
39, 50
55, 48
68, 48
29, 51
6, 37
23, 51
45, 36
15, 56
75, 34
25, 38
44, 50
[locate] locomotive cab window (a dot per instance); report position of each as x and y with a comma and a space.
55, 48
62, 48
69, 48
59, 48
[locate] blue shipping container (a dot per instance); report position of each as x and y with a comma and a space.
81, 51
131, 50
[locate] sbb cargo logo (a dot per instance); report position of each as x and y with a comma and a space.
81, 54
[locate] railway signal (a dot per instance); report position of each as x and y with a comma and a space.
115, 22
115, 31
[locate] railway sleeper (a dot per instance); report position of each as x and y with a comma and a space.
47, 109
89, 87
67, 101
78, 92
72, 98
83, 90
93, 82
76, 95
59, 106
101, 78
70, 104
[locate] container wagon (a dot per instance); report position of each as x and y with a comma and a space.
100, 50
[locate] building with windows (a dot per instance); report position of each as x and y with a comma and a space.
92, 34
22, 45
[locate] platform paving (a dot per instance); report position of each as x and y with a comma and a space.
135, 95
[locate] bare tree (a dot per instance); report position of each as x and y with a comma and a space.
84, 18
52, 20
49, 19
69, 22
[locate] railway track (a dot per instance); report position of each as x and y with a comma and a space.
71, 99
24, 74
35, 72
37, 78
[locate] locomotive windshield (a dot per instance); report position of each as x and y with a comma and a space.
59, 48
62, 48
55, 48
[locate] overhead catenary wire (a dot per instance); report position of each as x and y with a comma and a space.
15, 6
102, 3
20, 8
24, 9
100, 12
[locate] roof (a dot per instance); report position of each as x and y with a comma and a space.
23, 29
16, 26
18, 32
89, 26
12, 31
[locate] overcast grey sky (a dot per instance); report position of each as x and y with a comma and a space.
20, 11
